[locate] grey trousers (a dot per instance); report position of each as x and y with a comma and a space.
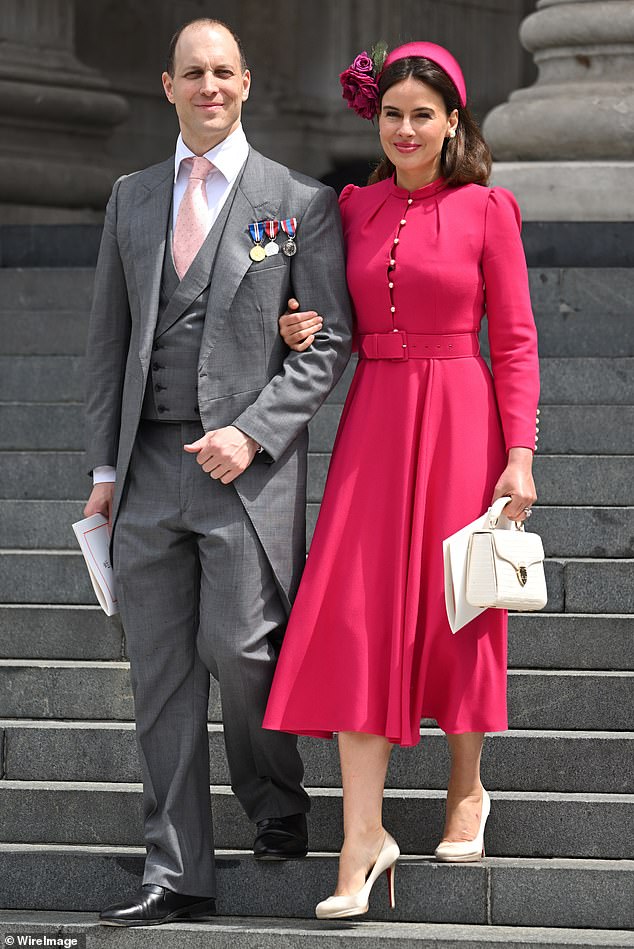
197, 596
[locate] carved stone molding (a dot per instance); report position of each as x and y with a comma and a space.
582, 105
55, 116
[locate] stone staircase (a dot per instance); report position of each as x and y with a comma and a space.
560, 841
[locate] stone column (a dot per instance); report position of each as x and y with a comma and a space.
565, 145
55, 115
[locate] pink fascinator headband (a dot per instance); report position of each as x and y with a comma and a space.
360, 80
438, 55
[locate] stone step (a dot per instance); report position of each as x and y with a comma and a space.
566, 531
579, 311
59, 576
536, 640
59, 632
41, 379
44, 310
563, 480
283, 933
538, 699
587, 380
585, 531
571, 641
44, 475
44, 577
583, 479
583, 311
564, 429
59, 331
522, 824
50, 426
39, 524
564, 379
574, 585
498, 892
529, 760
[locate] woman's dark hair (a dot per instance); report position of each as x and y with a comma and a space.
465, 159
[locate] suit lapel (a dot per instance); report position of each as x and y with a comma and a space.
149, 233
253, 202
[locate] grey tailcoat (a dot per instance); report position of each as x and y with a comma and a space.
246, 375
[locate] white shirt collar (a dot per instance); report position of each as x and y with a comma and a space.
228, 156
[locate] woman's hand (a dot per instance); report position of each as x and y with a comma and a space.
298, 329
517, 481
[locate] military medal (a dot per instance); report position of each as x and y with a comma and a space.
289, 226
256, 230
271, 228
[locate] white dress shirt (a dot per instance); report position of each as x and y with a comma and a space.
227, 158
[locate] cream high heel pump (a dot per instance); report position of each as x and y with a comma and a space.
338, 907
466, 851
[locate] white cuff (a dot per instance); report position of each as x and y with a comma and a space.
103, 473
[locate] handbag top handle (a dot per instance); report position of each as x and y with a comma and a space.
495, 512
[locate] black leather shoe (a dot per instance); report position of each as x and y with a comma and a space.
281, 838
154, 905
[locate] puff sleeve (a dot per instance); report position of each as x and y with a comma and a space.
344, 197
511, 326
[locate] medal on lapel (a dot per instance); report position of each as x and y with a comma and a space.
271, 228
256, 230
289, 226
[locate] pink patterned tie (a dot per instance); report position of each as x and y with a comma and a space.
192, 220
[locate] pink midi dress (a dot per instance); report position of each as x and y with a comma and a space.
421, 444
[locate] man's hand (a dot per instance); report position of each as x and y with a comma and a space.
298, 329
100, 501
224, 453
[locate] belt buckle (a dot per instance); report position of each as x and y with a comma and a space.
400, 341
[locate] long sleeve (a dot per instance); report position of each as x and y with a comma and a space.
107, 347
291, 398
511, 326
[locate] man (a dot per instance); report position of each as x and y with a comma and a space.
202, 410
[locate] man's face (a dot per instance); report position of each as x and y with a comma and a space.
208, 86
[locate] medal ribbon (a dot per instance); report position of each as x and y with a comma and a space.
289, 226
271, 228
256, 230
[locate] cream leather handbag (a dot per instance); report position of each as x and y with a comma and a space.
505, 568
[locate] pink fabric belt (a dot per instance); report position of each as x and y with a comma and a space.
402, 346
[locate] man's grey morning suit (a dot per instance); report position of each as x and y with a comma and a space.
206, 572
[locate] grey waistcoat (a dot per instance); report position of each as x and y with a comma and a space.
171, 394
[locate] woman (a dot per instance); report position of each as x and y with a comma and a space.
427, 440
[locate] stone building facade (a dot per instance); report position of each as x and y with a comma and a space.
87, 103
81, 100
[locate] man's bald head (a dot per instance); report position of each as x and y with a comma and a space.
202, 21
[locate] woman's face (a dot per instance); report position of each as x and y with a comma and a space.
413, 124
